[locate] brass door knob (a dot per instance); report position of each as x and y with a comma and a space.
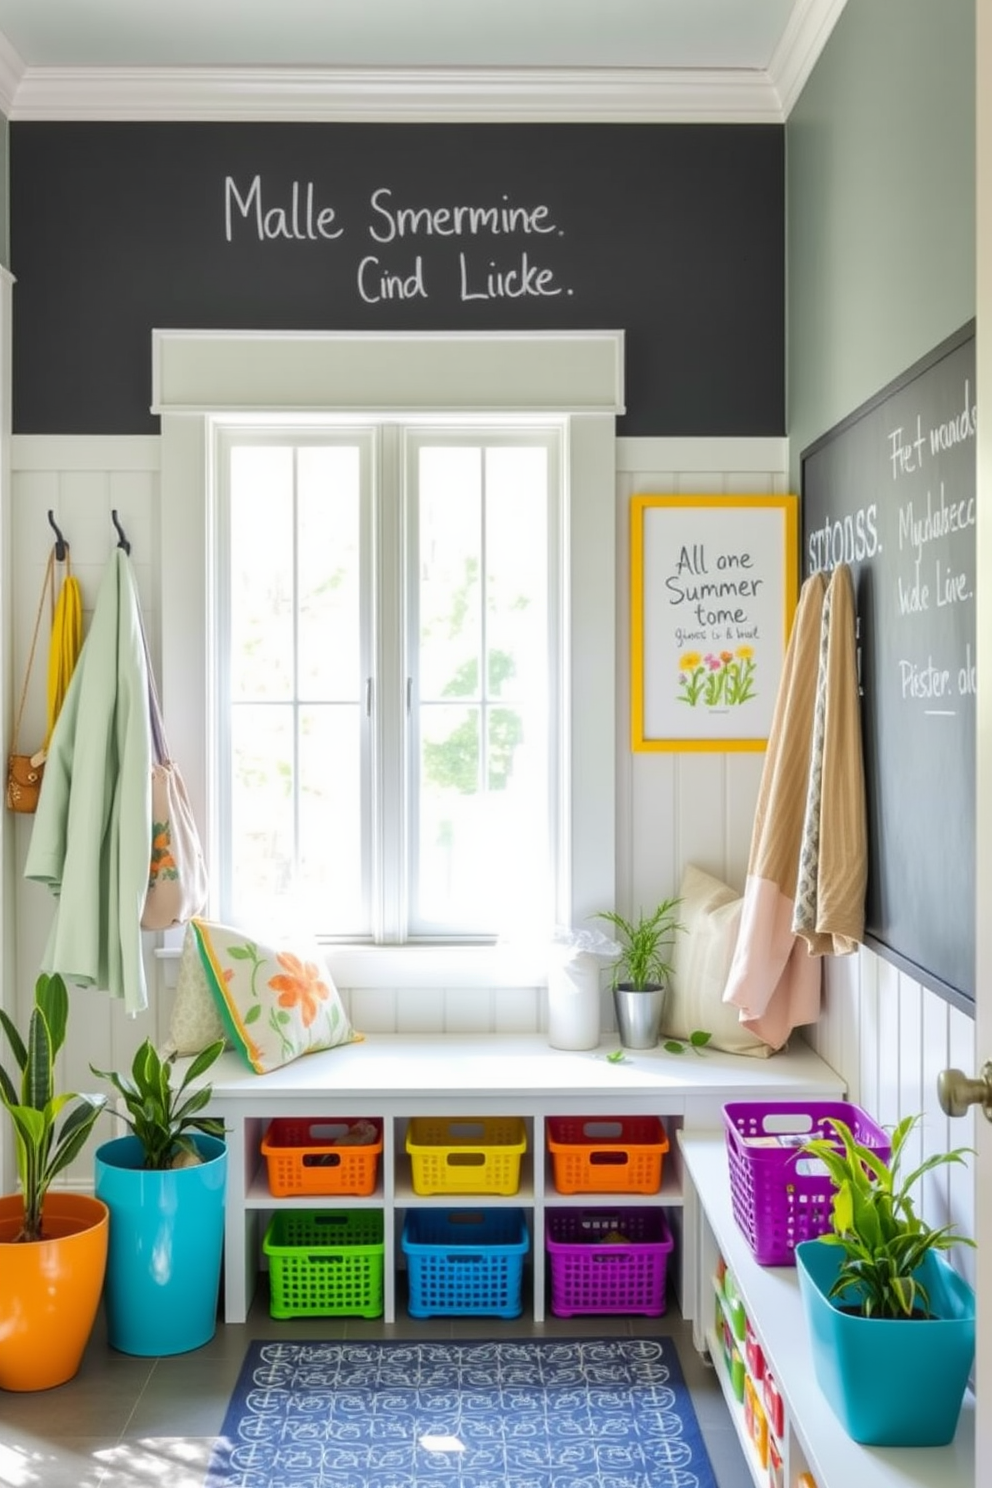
956, 1091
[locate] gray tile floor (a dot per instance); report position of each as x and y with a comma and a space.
127, 1422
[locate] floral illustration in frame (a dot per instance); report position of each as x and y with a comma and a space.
713, 592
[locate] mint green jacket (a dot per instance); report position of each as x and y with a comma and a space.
91, 836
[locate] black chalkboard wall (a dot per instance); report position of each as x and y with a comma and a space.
891, 491
673, 233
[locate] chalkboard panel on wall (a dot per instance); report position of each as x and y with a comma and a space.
892, 491
672, 233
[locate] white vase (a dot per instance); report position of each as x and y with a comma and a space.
574, 1002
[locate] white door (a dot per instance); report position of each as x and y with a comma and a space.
983, 1023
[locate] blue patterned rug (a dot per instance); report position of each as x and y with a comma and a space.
564, 1413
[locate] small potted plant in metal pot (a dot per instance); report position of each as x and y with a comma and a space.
884, 1308
641, 970
164, 1185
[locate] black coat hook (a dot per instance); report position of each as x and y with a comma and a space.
120, 533
60, 542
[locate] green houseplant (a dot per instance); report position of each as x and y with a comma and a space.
640, 971
883, 1306
164, 1185
884, 1241
645, 944
54, 1244
162, 1115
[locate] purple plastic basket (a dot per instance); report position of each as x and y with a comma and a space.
593, 1272
779, 1196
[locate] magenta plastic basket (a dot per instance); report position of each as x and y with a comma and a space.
779, 1196
594, 1270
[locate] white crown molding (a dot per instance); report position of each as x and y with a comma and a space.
633, 95
11, 75
398, 95
799, 49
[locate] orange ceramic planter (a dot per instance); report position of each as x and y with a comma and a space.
50, 1290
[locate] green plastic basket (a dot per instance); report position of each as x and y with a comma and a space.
325, 1263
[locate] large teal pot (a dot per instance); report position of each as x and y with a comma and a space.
890, 1383
166, 1246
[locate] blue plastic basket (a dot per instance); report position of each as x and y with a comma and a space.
465, 1261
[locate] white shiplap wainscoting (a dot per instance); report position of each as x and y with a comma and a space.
81, 481
883, 1033
890, 1038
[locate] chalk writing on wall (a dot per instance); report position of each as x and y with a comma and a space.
673, 234
303, 217
892, 492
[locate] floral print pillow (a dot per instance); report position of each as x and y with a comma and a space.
276, 1001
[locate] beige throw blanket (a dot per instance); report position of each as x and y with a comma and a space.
810, 815
833, 866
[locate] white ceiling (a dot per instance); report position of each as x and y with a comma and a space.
483, 58
395, 33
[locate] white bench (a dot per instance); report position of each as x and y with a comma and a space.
814, 1440
394, 1077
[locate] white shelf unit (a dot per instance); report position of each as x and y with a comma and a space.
393, 1077
814, 1441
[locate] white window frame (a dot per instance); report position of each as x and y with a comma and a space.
202, 377
548, 435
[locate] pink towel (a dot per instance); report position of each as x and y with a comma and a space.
773, 979
807, 872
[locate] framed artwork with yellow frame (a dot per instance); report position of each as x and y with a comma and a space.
714, 583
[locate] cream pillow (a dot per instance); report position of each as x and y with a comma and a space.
710, 912
276, 1000
195, 1019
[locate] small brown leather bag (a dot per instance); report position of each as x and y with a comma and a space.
25, 771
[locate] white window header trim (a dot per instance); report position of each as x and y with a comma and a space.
580, 372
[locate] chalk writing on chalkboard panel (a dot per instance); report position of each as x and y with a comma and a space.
892, 492
713, 590
672, 233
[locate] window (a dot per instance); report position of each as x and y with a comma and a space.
388, 749
209, 387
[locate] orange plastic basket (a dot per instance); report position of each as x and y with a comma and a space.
466, 1155
606, 1154
321, 1155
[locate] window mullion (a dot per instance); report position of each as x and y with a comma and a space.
390, 724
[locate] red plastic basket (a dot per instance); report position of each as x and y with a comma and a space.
779, 1196
608, 1260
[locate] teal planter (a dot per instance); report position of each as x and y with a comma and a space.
166, 1245
890, 1383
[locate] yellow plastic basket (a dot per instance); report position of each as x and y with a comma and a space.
466, 1155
